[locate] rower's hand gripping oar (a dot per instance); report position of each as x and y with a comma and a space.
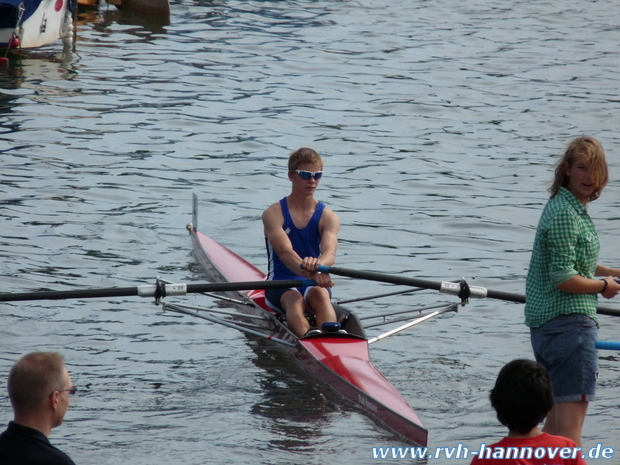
158, 290
443, 286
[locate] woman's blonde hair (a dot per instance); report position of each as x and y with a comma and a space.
589, 151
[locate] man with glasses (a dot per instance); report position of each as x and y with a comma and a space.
40, 391
301, 233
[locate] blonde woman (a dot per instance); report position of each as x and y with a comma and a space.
563, 285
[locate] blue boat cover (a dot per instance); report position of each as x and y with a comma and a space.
9, 11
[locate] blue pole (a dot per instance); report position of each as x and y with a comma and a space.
608, 345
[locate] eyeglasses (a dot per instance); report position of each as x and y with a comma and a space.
309, 174
71, 391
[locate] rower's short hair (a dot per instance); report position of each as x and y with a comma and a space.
33, 378
303, 156
584, 149
522, 395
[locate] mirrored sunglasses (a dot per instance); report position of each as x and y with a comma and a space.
309, 174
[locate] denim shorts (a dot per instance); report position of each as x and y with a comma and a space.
565, 346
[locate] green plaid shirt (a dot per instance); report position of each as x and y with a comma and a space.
566, 244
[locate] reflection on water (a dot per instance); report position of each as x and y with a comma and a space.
438, 122
107, 19
296, 406
10, 74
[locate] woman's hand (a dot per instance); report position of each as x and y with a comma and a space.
612, 289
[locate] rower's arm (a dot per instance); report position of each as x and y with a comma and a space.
273, 222
329, 226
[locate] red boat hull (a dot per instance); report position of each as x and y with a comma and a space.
342, 361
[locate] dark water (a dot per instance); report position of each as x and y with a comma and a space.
438, 122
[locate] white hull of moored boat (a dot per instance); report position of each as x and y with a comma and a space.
50, 21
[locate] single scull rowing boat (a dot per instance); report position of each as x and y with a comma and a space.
340, 360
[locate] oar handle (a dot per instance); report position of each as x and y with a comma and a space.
608, 345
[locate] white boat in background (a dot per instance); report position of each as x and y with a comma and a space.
34, 23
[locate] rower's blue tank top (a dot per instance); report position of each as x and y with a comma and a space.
306, 242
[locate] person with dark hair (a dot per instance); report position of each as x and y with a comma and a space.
561, 286
301, 233
522, 397
39, 389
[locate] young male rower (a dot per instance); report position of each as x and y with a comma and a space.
301, 233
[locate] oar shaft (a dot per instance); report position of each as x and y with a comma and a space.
380, 277
510, 297
445, 287
441, 286
151, 290
76, 294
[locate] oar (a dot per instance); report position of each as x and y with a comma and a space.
608, 345
443, 286
158, 290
